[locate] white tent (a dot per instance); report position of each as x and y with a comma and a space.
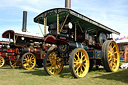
122, 41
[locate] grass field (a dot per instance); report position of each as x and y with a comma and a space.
37, 76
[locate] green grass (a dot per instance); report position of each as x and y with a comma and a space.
37, 76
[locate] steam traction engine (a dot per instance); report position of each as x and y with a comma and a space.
80, 42
25, 49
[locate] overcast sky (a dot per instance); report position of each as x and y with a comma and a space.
112, 13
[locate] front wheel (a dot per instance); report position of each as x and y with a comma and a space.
53, 62
2, 61
28, 61
79, 63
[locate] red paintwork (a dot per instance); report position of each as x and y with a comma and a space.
5, 56
64, 38
42, 55
11, 50
50, 38
2, 54
6, 34
13, 58
35, 50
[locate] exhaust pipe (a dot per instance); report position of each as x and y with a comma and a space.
68, 4
24, 25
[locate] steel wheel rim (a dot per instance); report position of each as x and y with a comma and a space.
113, 56
54, 64
29, 61
81, 63
1, 61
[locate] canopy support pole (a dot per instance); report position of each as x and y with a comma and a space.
64, 22
58, 32
45, 24
40, 29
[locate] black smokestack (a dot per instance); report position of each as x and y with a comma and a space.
24, 21
68, 4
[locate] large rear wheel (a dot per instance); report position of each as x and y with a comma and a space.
110, 56
79, 63
2, 61
53, 62
28, 61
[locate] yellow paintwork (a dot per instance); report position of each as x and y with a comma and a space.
81, 63
2, 61
113, 56
54, 63
29, 61
14, 63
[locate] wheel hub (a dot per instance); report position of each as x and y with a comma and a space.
53, 62
80, 63
112, 55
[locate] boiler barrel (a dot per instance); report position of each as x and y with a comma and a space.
77, 45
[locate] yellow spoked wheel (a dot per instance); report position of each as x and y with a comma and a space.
53, 63
14, 61
2, 61
28, 61
79, 63
110, 56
